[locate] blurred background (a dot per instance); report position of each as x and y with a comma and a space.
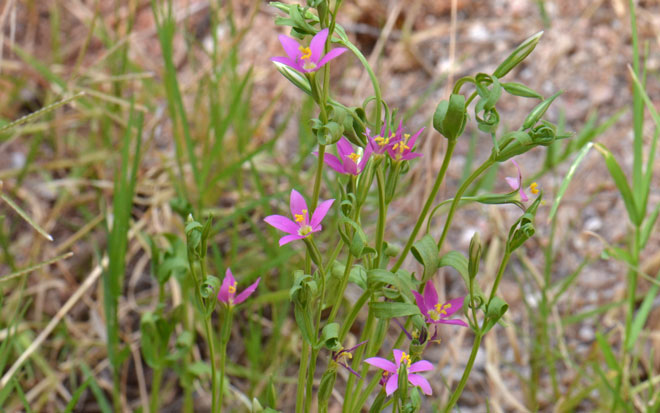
246, 130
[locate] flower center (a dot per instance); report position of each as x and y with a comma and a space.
306, 52
300, 217
304, 230
232, 288
401, 146
439, 311
534, 187
405, 358
344, 356
381, 141
354, 157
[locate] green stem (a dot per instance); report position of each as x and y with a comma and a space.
342, 289
466, 373
382, 216
224, 339
155, 389
357, 359
302, 372
214, 375
352, 316
309, 390
372, 76
457, 198
498, 278
427, 206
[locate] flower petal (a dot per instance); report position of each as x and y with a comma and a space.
320, 212
336, 52
288, 62
411, 141
223, 294
417, 380
350, 166
291, 47
455, 322
421, 365
397, 357
282, 223
513, 182
420, 303
382, 363
392, 384
317, 45
523, 196
333, 162
430, 295
288, 238
344, 147
455, 305
411, 155
365, 158
247, 292
297, 204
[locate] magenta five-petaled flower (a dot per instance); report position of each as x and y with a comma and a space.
307, 59
227, 293
392, 371
350, 161
301, 226
516, 183
398, 145
435, 312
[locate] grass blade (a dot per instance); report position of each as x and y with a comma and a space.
568, 178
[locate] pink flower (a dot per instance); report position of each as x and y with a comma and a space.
303, 226
516, 183
402, 146
307, 59
227, 293
349, 161
392, 370
433, 311
342, 357
379, 144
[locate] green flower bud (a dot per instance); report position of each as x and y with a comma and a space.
517, 55
450, 116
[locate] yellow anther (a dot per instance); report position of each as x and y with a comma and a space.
299, 217
382, 141
354, 157
232, 288
306, 52
405, 358
534, 187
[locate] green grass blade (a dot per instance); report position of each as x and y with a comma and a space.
46, 109
643, 313
567, 179
621, 183
103, 402
76, 395
26, 217
28, 270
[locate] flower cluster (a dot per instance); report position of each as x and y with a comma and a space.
350, 161
398, 145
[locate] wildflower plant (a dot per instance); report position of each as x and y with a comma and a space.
373, 152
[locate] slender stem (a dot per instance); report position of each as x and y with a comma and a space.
302, 372
224, 339
498, 278
155, 389
357, 359
309, 389
372, 76
214, 375
427, 206
342, 289
352, 316
382, 216
457, 198
466, 373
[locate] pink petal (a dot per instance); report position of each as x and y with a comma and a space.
430, 295
344, 147
349, 165
247, 292
321, 212
420, 303
297, 204
421, 365
286, 61
288, 238
417, 380
397, 357
455, 322
456, 304
291, 47
223, 294
365, 158
392, 384
382, 363
333, 162
336, 52
317, 45
523, 196
411, 155
282, 223
411, 141
513, 183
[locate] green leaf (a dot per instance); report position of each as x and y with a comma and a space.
457, 261
494, 312
393, 309
537, 113
304, 321
425, 252
642, 314
450, 116
518, 89
518, 55
330, 337
621, 182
